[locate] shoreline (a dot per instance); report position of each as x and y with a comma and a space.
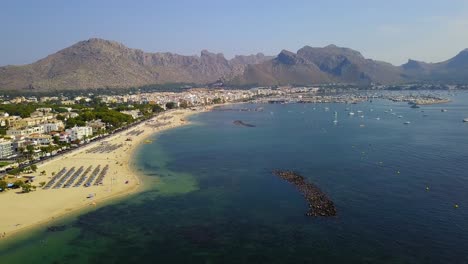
32, 210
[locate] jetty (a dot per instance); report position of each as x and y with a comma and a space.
319, 203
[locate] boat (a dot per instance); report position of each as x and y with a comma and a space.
351, 113
377, 118
335, 121
400, 116
443, 110
407, 123
415, 106
465, 120
148, 141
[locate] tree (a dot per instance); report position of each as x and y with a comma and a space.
34, 167
157, 108
43, 172
18, 184
3, 185
217, 101
42, 184
26, 187
184, 104
15, 171
171, 105
30, 149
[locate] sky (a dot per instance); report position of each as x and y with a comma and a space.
391, 31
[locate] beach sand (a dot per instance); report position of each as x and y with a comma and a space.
22, 211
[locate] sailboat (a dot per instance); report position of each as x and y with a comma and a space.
335, 121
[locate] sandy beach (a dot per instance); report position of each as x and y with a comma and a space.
21, 211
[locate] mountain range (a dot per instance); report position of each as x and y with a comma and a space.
98, 63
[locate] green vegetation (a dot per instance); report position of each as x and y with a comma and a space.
27, 187
112, 118
4, 163
171, 105
15, 171
33, 167
184, 104
217, 101
3, 185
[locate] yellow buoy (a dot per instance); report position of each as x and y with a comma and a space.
427, 188
398, 172
456, 206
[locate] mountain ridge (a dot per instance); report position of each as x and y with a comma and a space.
99, 63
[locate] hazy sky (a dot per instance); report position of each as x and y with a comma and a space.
389, 30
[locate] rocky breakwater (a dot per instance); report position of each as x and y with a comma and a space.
241, 123
319, 203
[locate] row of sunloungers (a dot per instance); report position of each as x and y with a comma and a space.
101, 175
135, 133
93, 176
67, 179
55, 178
64, 178
73, 177
83, 177
104, 148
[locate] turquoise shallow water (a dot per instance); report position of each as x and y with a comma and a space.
216, 201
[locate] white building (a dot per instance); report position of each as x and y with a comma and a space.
39, 139
6, 149
77, 133
26, 131
49, 127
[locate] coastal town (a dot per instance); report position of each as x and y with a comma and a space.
35, 128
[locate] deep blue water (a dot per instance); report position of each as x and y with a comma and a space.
215, 200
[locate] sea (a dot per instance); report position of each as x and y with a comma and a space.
400, 190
